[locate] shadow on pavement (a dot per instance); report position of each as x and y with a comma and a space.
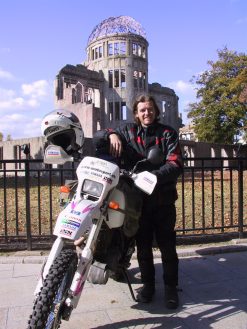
214, 295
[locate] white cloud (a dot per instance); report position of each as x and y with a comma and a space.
33, 127
186, 93
6, 94
182, 87
19, 108
33, 102
10, 122
20, 126
30, 96
14, 117
9, 101
37, 89
5, 75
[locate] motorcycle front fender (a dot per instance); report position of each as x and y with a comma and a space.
76, 219
55, 251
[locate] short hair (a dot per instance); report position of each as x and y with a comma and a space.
142, 99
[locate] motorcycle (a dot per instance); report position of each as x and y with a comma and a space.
97, 210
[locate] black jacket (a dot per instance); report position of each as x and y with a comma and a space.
136, 143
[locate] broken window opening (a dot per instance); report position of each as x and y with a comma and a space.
73, 96
79, 93
110, 111
123, 111
116, 48
59, 89
122, 48
134, 48
117, 111
88, 95
110, 78
100, 51
144, 52
123, 79
135, 78
140, 80
163, 107
110, 49
116, 78
96, 52
139, 50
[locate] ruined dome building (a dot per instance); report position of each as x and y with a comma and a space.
101, 91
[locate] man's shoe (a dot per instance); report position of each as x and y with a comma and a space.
171, 297
145, 293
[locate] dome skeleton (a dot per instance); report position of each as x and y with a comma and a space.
114, 25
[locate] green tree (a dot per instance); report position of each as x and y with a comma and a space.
220, 113
1, 137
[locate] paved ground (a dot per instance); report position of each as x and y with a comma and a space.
214, 294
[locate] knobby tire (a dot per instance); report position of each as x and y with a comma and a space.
54, 289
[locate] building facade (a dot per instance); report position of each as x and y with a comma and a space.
101, 91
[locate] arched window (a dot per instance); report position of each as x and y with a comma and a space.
79, 93
73, 96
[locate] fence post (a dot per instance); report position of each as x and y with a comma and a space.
27, 191
240, 198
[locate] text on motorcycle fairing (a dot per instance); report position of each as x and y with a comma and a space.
100, 171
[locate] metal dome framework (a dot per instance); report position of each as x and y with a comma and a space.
116, 25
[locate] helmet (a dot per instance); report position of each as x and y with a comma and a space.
62, 128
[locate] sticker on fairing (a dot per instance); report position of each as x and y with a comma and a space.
88, 208
70, 222
66, 232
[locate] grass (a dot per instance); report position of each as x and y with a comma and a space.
208, 203
212, 202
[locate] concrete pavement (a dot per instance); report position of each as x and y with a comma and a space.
213, 281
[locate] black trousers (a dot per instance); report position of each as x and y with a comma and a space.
159, 222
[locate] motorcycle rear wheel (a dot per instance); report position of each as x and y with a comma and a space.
47, 309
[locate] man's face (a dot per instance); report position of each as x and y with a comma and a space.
145, 113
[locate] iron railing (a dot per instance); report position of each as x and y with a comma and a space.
212, 200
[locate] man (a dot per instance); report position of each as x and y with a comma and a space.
132, 141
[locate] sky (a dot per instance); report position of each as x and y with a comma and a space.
39, 37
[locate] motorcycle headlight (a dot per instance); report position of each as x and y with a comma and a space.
92, 187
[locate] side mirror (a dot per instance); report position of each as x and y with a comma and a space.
155, 156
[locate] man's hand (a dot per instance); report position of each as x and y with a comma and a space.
115, 145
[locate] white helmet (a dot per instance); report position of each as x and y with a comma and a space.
62, 128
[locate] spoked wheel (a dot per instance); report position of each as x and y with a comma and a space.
47, 309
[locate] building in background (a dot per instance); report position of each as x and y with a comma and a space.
187, 133
101, 91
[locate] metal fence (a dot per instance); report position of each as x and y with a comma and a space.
212, 202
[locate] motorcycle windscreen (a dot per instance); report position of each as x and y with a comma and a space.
94, 173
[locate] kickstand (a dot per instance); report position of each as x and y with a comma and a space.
129, 284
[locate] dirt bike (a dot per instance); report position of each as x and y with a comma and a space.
97, 208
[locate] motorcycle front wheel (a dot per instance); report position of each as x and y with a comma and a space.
47, 309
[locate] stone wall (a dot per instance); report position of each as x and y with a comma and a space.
15, 150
